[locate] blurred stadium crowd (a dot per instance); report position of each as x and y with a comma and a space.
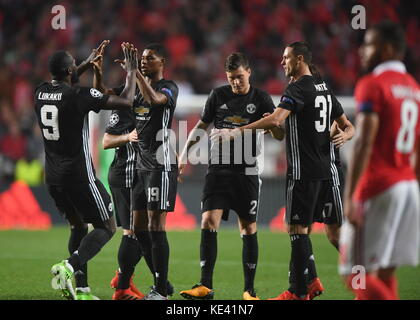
198, 35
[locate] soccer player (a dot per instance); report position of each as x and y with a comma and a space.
155, 181
62, 113
230, 184
381, 200
309, 107
121, 135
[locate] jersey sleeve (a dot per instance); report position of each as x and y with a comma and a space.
292, 99
368, 95
119, 122
337, 109
208, 113
91, 99
170, 90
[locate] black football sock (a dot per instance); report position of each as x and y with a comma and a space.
129, 255
292, 277
311, 263
299, 259
208, 255
76, 236
143, 237
91, 244
249, 259
160, 254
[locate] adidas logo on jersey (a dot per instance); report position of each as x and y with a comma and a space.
224, 107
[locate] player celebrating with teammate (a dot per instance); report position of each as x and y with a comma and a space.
121, 135
382, 208
62, 113
155, 182
308, 106
230, 184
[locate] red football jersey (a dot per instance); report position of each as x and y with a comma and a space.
395, 96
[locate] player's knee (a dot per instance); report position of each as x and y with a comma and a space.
297, 229
209, 223
333, 234
247, 228
157, 221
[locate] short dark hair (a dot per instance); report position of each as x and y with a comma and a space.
59, 62
236, 60
392, 33
303, 49
159, 50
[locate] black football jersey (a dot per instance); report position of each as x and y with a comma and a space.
310, 153
122, 169
229, 110
153, 125
62, 113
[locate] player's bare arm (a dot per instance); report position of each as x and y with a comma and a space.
127, 96
342, 130
97, 63
150, 95
194, 137
367, 124
267, 123
114, 141
86, 64
277, 133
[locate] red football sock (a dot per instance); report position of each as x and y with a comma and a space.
375, 289
392, 284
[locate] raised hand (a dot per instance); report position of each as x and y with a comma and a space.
130, 52
99, 54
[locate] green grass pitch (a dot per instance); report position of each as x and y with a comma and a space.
27, 256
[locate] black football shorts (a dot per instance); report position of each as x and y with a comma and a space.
90, 201
121, 197
306, 200
238, 192
333, 209
154, 190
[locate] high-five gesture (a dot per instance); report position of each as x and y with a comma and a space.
130, 57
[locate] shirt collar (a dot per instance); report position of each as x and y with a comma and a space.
392, 65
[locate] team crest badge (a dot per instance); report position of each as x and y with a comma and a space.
114, 119
251, 108
95, 93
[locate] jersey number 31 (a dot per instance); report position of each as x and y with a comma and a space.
325, 112
49, 118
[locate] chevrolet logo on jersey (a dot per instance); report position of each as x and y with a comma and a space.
236, 120
142, 110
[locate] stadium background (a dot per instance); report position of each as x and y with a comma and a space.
199, 35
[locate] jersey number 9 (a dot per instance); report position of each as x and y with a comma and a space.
49, 118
